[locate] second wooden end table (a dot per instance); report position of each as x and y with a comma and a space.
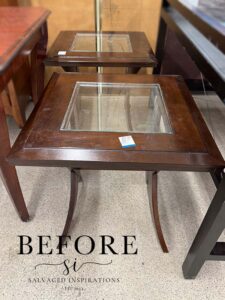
73, 49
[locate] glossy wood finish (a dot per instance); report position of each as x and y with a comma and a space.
22, 31
39, 144
142, 55
16, 33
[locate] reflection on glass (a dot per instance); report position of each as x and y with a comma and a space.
101, 42
117, 107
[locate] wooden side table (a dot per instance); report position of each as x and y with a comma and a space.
88, 114
23, 32
73, 49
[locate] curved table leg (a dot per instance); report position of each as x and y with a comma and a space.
155, 213
75, 178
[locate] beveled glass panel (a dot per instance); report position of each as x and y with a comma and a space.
101, 42
117, 107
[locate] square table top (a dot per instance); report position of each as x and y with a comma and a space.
17, 25
186, 144
86, 48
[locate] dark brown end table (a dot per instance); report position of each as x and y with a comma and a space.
80, 119
73, 49
23, 32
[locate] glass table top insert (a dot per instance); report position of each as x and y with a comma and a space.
117, 107
101, 42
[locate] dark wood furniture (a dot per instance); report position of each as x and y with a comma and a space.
201, 34
11, 104
63, 145
205, 246
108, 49
23, 31
18, 93
201, 30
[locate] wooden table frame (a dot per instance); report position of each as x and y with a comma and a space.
49, 146
34, 41
141, 56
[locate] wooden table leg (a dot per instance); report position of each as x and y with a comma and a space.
160, 45
8, 172
17, 114
205, 245
155, 211
38, 55
71, 69
133, 70
75, 178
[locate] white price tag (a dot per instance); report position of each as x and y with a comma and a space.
127, 141
61, 53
